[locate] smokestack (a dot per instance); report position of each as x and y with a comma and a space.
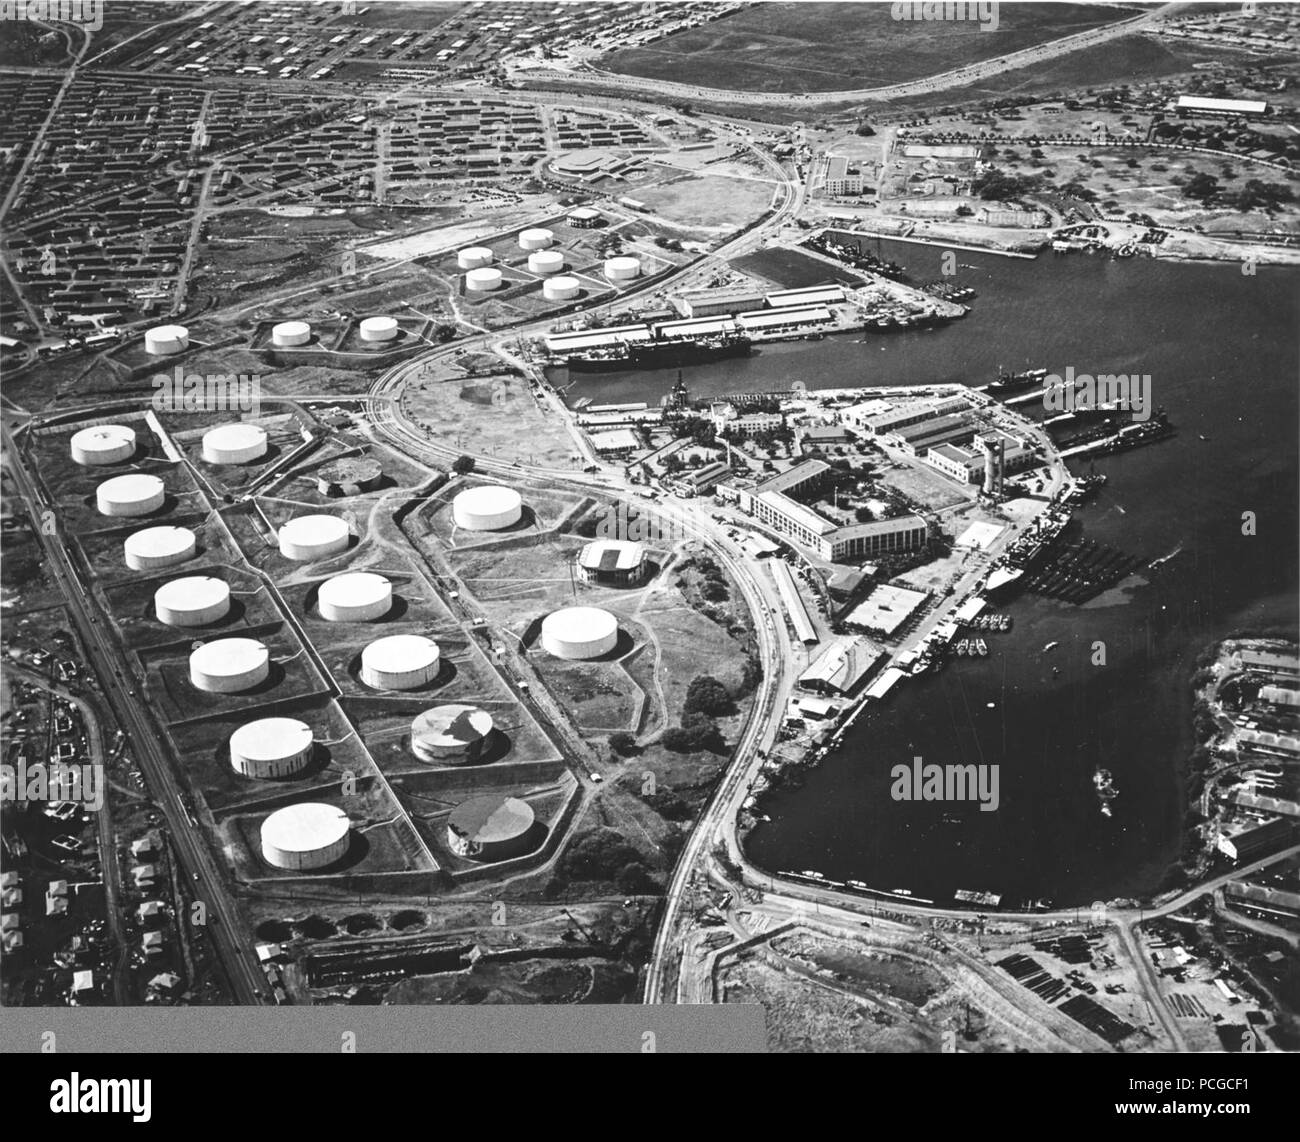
994, 464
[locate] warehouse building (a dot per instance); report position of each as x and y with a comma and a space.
716, 302
1198, 105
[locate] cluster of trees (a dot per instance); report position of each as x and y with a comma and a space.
697, 732
996, 184
604, 854
463, 465
706, 699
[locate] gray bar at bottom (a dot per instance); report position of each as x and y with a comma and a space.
605, 1028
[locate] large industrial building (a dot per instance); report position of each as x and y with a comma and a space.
771, 503
579, 633
966, 463
841, 179
613, 562
454, 734
271, 747
305, 837
493, 827
400, 662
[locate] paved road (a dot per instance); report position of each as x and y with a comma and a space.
119, 688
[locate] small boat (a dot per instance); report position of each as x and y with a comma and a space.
1050, 646
1204, 437
982, 648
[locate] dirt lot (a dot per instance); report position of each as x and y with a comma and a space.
493, 415
710, 201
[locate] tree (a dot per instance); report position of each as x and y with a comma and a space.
706, 695
632, 878
697, 732
463, 465
864, 514
1201, 186
622, 743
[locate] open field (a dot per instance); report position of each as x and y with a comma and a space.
495, 415
838, 47
709, 200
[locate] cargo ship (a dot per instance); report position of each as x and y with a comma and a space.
1010, 382
657, 354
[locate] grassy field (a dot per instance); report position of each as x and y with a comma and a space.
709, 200
1124, 60
838, 47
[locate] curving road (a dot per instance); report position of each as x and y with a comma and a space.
956, 77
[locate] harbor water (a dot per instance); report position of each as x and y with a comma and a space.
1221, 348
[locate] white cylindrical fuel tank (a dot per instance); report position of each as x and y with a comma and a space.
130, 495
229, 665
400, 662
103, 444
314, 537
357, 597
234, 444
474, 258
378, 328
546, 262
155, 547
487, 508
537, 239
165, 339
452, 734
579, 633
622, 269
491, 827
307, 836
193, 601
563, 288
271, 747
290, 333
483, 280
